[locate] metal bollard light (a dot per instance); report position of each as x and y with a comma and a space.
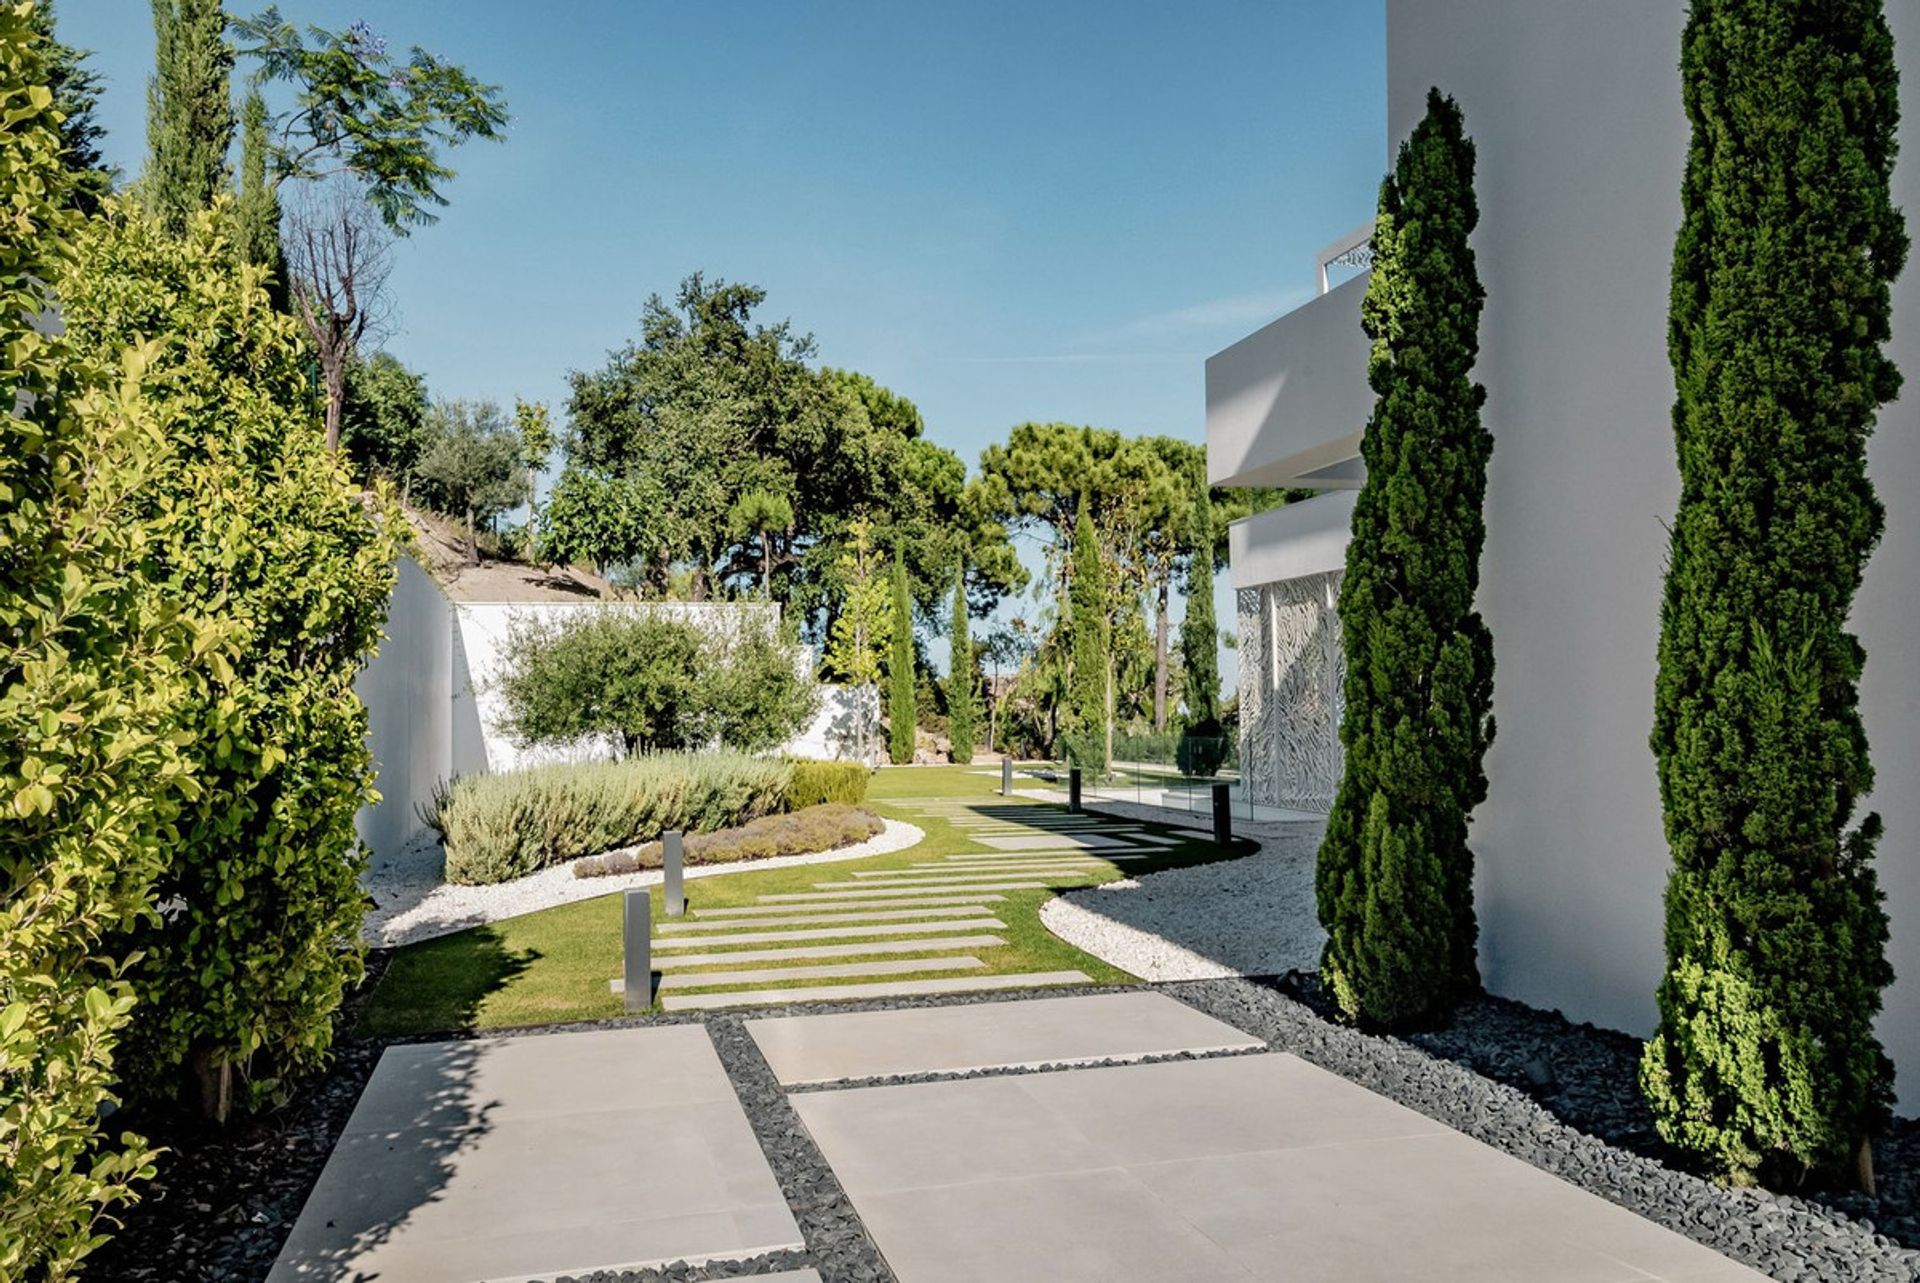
1222, 816
673, 860
638, 950
1073, 790
1006, 777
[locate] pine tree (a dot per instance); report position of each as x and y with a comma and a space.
1765, 1065
1087, 598
963, 703
257, 212
902, 716
189, 111
76, 93
1395, 875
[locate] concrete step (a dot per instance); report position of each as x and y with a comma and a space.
828, 933
827, 971
674, 961
783, 917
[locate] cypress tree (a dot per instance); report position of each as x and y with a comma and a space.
1395, 875
1765, 1066
902, 717
1200, 749
257, 212
189, 111
963, 706
1087, 602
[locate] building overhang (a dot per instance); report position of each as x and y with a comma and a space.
1293, 541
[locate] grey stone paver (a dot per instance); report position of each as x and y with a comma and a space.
782, 916
1247, 1167
996, 1035
880, 899
951, 880
948, 870
829, 971
1062, 841
748, 910
671, 961
889, 989
829, 933
509, 1158
874, 889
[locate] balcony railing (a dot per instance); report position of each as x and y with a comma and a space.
1355, 249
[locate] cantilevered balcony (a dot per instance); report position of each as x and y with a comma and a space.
1286, 405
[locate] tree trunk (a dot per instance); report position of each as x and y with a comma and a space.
473, 539
213, 1077
766, 563
334, 370
993, 710
1160, 658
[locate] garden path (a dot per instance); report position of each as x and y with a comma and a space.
895, 933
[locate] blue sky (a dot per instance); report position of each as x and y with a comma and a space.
1005, 211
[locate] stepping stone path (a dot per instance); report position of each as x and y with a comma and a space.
843, 939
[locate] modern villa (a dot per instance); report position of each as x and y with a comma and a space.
1575, 112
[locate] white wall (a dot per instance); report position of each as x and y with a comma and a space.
409, 715
1885, 613
1575, 110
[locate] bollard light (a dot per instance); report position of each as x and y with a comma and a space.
639, 950
673, 859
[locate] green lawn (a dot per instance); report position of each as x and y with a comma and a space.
553, 966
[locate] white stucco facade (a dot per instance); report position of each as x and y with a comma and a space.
434, 710
1575, 112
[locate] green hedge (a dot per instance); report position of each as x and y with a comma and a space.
817, 828
507, 825
817, 782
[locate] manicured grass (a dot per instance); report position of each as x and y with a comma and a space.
553, 966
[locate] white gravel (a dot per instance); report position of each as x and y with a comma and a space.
412, 902
1253, 916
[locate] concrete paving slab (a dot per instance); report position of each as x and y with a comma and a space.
751, 909
672, 961
881, 899
1051, 841
997, 1035
892, 989
1046, 876
948, 871
508, 1158
1282, 1169
829, 933
862, 897
784, 918
907, 888
829, 971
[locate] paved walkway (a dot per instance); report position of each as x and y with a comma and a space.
1078, 1137
929, 928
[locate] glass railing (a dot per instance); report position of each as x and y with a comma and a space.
1171, 772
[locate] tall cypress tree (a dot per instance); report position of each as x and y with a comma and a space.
189, 111
902, 716
1087, 602
1765, 1065
257, 213
1201, 747
963, 705
1395, 875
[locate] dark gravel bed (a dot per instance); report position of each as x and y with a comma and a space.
222, 1202
1527, 1081
1016, 1071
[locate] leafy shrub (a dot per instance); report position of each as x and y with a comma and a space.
1202, 748
93, 680
254, 522
817, 828
817, 782
514, 823
651, 682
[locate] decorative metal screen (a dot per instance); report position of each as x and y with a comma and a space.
1292, 683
